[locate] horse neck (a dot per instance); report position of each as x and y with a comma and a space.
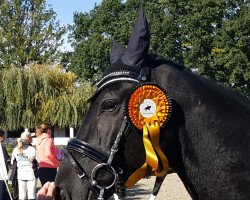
203, 119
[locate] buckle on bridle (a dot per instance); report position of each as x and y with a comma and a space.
81, 175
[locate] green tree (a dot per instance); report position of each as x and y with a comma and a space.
29, 32
215, 38
41, 93
91, 34
209, 36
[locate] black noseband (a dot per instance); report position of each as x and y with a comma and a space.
103, 159
88, 150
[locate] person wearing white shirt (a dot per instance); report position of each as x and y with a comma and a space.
24, 154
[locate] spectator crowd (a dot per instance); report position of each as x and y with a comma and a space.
30, 163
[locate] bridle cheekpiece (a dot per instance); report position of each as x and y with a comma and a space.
103, 159
154, 110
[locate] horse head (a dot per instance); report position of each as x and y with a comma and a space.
149, 115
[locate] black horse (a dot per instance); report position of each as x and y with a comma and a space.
205, 140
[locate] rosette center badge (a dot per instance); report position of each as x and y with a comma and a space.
148, 108
148, 105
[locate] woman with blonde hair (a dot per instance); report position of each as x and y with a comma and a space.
46, 154
24, 154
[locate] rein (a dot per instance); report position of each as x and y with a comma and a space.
151, 131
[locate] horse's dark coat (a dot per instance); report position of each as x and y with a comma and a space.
207, 139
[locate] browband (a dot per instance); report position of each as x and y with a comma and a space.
121, 76
117, 74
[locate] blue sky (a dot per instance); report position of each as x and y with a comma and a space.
65, 10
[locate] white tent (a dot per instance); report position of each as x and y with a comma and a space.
3, 169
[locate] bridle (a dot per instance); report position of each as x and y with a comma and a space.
103, 159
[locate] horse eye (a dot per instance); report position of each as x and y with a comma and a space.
109, 105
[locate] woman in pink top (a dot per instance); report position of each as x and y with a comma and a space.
46, 154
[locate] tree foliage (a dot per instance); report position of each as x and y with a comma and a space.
210, 36
28, 32
216, 38
41, 93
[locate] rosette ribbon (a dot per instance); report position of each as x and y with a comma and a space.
150, 125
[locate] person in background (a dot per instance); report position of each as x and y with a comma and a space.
24, 154
3, 189
46, 154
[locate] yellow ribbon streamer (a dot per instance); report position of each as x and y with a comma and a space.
136, 176
151, 157
151, 146
154, 131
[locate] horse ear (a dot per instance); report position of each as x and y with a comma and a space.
117, 52
138, 45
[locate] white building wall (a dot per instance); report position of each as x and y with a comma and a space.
59, 132
59, 137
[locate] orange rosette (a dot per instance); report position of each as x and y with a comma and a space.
148, 104
149, 109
